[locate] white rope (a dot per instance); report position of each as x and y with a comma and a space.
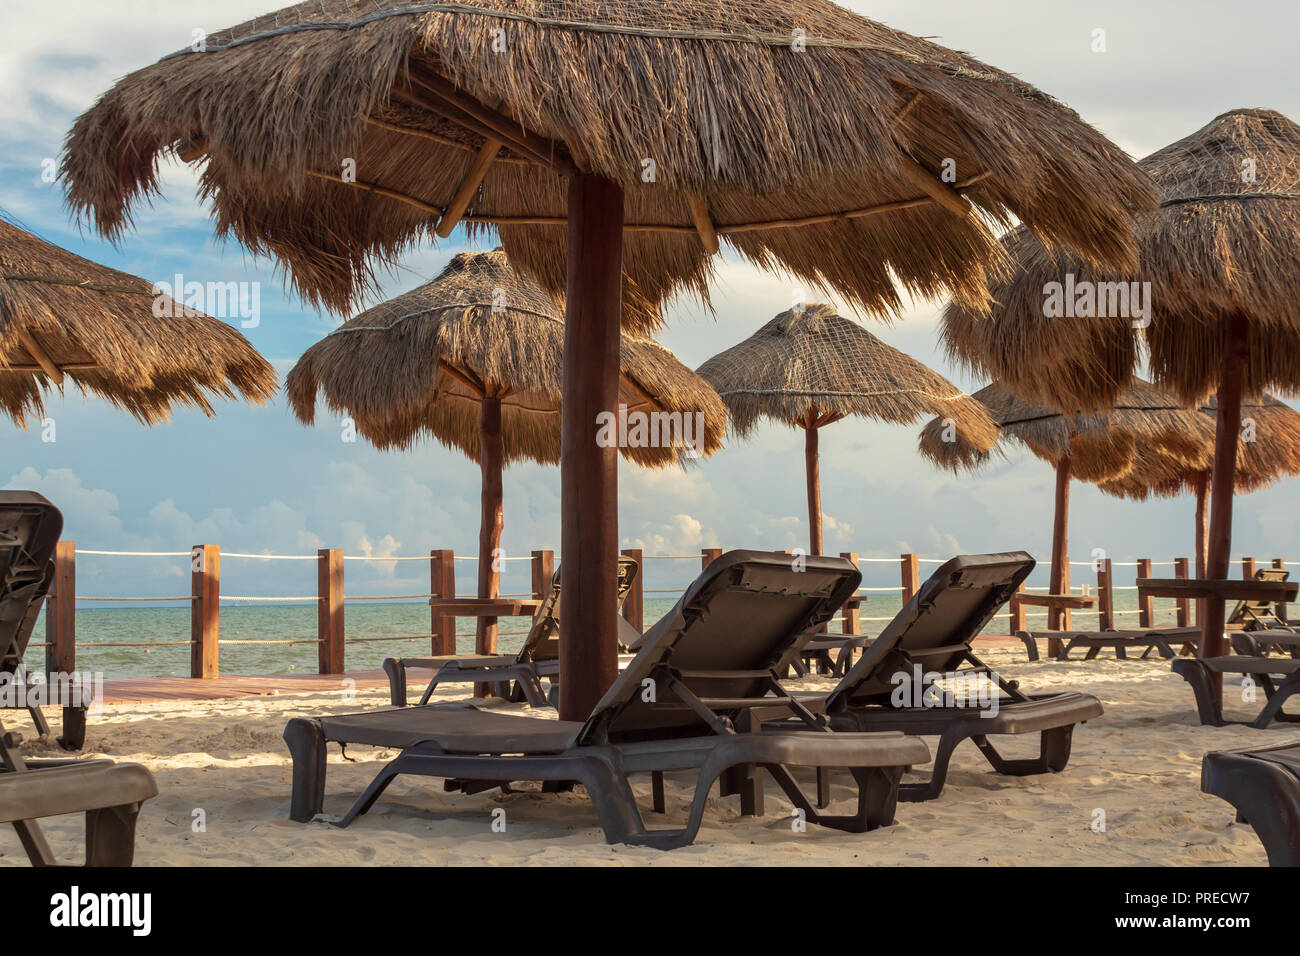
138, 554
238, 597
87, 597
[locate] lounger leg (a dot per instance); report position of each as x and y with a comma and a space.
110, 835
823, 788
74, 728
917, 792
1209, 707
1092, 654
306, 743
878, 796
1120, 653
34, 842
1031, 645
396, 681
1065, 652
1273, 709
38, 718
1053, 754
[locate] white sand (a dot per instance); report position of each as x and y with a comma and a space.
1140, 763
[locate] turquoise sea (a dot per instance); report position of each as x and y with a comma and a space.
403, 626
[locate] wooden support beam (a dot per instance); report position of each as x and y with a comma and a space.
491, 521
852, 610
944, 194
812, 469
329, 611
468, 187
442, 585
1146, 604
439, 95
709, 555
1105, 596
61, 613
1059, 581
42, 357
589, 470
703, 223
1184, 606
1247, 568
205, 604
1018, 618
1281, 608
910, 565
1227, 434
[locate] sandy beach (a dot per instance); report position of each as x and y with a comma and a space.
1140, 764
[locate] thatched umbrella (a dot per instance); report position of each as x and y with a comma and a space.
1093, 447
1272, 452
810, 367
63, 317
603, 139
1219, 257
474, 359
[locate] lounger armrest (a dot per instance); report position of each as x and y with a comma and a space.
51, 791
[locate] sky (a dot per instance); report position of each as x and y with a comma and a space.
253, 480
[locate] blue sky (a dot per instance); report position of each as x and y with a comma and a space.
254, 480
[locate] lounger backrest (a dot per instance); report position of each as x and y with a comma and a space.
936, 627
29, 530
1250, 612
543, 640
746, 615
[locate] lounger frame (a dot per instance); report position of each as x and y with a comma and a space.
1199, 672
1265, 794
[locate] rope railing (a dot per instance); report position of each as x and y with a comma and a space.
328, 603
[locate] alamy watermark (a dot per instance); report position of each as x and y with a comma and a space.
974, 689
221, 300
637, 429
73, 689
1102, 300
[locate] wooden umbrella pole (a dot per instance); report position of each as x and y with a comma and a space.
1227, 429
1060, 576
1202, 486
814, 485
491, 520
589, 472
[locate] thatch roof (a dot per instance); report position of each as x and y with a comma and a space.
1220, 242
819, 151
817, 366
1101, 446
419, 364
1273, 453
108, 333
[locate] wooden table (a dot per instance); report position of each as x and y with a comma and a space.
1053, 602
486, 607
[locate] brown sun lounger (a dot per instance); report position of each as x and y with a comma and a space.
1200, 671
109, 794
516, 677
676, 707
932, 637
29, 530
1264, 785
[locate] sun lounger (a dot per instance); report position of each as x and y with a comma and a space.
513, 676
109, 794
931, 637
1264, 785
1159, 639
676, 707
29, 530
1261, 670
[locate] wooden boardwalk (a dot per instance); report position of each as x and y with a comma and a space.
134, 690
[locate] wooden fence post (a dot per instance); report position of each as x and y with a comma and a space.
852, 617
634, 603
1145, 604
1180, 571
61, 614
1247, 568
1105, 597
1281, 608
1018, 619
911, 573
442, 585
708, 556
205, 610
329, 611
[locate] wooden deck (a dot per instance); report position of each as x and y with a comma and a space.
132, 690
